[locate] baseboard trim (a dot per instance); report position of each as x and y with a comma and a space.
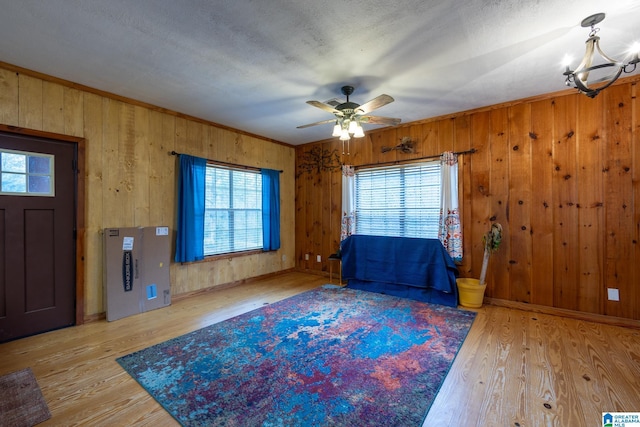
174, 298
573, 314
185, 295
95, 317
314, 272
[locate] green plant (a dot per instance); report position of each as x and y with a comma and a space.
491, 241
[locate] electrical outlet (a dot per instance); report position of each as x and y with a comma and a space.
613, 294
306, 257
319, 258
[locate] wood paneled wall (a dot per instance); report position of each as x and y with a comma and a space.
561, 173
130, 179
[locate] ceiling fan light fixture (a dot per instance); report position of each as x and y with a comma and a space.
353, 125
359, 132
337, 129
344, 136
579, 78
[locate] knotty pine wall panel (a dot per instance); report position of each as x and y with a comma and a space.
73, 112
560, 172
635, 158
499, 198
141, 189
94, 116
445, 136
589, 203
30, 105
9, 97
363, 153
619, 198
53, 107
479, 204
542, 225
519, 202
566, 243
130, 179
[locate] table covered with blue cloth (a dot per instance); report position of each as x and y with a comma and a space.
419, 269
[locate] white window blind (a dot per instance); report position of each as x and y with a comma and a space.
402, 201
233, 210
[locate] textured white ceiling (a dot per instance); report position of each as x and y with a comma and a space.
251, 64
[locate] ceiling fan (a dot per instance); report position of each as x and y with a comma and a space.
349, 116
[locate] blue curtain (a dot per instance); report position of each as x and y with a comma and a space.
270, 209
190, 233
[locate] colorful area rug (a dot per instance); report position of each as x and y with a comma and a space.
21, 401
329, 356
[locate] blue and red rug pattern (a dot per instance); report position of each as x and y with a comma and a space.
327, 357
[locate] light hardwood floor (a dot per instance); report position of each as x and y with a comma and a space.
516, 368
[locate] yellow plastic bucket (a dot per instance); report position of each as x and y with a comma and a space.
470, 292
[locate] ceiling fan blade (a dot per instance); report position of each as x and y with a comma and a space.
375, 103
376, 120
325, 107
316, 123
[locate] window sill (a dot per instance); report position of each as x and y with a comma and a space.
230, 255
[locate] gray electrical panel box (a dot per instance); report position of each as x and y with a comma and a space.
136, 270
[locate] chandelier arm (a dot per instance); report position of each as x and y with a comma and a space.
618, 63
587, 60
585, 89
612, 77
591, 92
632, 69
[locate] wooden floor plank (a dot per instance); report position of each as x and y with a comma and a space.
519, 368
511, 365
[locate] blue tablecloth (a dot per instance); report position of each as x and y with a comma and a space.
407, 267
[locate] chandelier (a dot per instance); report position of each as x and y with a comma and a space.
603, 74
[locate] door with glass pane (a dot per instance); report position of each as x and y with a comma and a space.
37, 235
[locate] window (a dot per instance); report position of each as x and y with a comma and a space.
233, 210
225, 209
402, 201
26, 174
